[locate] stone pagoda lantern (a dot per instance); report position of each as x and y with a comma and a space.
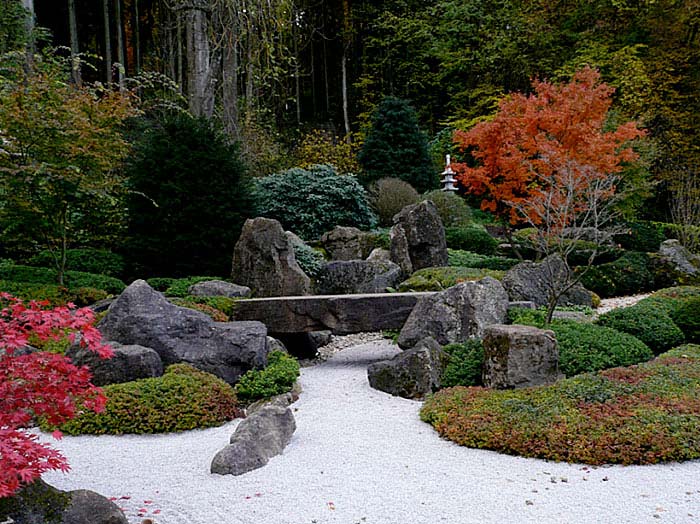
448, 179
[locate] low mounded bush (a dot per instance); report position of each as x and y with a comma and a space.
452, 208
161, 283
459, 258
87, 260
314, 200
309, 259
465, 364
278, 377
440, 278
687, 318
579, 251
642, 236
388, 196
183, 398
72, 279
630, 274
180, 287
474, 238
637, 415
54, 294
650, 325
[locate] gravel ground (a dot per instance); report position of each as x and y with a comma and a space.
608, 304
360, 456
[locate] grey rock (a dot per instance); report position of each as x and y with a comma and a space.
227, 349
411, 374
419, 236
218, 288
128, 363
576, 316
341, 314
379, 254
264, 261
456, 314
284, 400
684, 261
261, 436
519, 356
522, 304
534, 281
343, 243
357, 276
101, 305
88, 507
276, 345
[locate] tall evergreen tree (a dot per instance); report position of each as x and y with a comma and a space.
396, 147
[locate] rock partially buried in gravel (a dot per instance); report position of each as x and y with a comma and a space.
131, 362
257, 439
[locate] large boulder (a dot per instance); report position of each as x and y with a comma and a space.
519, 356
456, 314
682, 259
343, 243
39, 503
411, 374
226, 349
261, 436
218, 288
264, 261
128, 363
535, 281
418, 238
357, 276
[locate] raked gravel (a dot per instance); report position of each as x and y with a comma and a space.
360, 456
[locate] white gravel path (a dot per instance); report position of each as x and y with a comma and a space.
360, 456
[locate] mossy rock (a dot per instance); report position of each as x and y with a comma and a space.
441, 278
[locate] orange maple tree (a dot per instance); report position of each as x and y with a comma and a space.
555, 136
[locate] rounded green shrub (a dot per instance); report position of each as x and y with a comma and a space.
650, 325
161, 283
309, 259
630, 274
584, 347
474, 238
180, 287
390, 195
72, 279
314, 200
641, 236
465, 364
687, 317
671, 298
183, 398
278, 377
440, 278
88, 260
460, 258
452, 208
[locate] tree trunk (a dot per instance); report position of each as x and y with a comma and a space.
346, 118
137, 38
229, 77
108, 41
201, 97
74, 47
29, 29
120, 44
297, 89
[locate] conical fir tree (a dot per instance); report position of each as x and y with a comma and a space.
396, 147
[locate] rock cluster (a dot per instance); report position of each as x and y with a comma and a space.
357, 276
418, 238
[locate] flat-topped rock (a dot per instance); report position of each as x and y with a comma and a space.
341, 314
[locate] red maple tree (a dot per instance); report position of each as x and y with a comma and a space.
556, 135
40, 384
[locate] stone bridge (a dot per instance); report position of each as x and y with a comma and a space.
341, 314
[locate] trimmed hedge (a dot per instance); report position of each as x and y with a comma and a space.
630, 274
650, 325
454, 211
183, 398
687, 317
278, 377
638, 415
88, 260
460, 258
465, 364
440, 278
474, 238
72, 279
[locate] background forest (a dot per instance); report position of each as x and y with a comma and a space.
283, 84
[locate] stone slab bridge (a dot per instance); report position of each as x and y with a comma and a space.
341, 314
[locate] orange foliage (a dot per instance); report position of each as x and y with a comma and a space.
554, 136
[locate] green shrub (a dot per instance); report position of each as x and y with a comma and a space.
314, 200
527, 316
180, 287
641, 236
668, 300
452, 208
687, 317
278, 377
190, 197
374, 239
474, 238
465, 364
88, 260
650, 325
54, 294
630, 274
587, 347
183, 398
440, 278
72, 279
460, 258
396, 147
309, 259
579, 251
638, 415
389, 196
161, 283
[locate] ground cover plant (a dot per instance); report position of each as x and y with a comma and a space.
458, 257
183, 398
278, 377
440, 278
71, 279
636, 415
464, 365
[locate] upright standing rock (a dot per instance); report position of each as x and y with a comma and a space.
418, 238
519, 356
456, 314
264, 260
343, 243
